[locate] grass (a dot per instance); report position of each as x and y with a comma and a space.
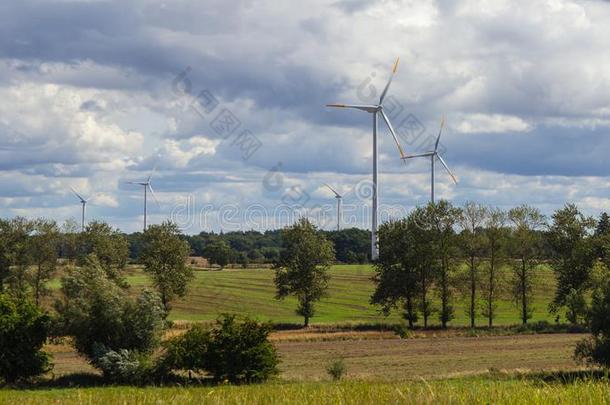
455, 391
251, 292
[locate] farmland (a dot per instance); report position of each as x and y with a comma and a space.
251, 292
457, 365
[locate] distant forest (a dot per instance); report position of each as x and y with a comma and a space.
352, 245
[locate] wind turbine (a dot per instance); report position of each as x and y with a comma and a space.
376, 110
83, 202
147, 186
338, 197
433, 156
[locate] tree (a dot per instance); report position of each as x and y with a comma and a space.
573, 256
108, 244
6, 256
70, 239
218, 252
164, 256
596, 349
44, 250
603, 225
472, 237
100, 316
396, 272
302, 269
20, 232
441, 219
495, 241
525, 247
23, 332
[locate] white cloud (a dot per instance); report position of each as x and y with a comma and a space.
495, 123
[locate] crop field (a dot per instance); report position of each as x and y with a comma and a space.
251, 292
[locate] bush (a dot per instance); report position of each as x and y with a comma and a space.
96, 311
336, 369
23, 332
235, 351
240, 351
124, 366
188, 351
596, 349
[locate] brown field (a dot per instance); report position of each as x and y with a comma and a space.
382, 356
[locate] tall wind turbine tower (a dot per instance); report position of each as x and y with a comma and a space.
338, 197
147, 186
376, 110
83, 202
433, 155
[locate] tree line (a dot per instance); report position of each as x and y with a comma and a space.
440, 249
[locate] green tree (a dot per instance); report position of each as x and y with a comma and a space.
69, 244
525, 248
496, 235
20, 233
396, 273
596, 349
218, 252
164, 256
573, 257
6, 254
23, 332
442, 218
109, 245
44, 250
473, 242
100, 315
302, 269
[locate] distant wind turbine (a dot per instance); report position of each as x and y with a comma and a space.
338, 197
83, 202
147, 186
433, 156
376, 110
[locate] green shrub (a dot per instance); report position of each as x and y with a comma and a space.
23, 332
402, 330
596, 349
234, 350
124, 366
336, 369
96, 311
240, 351
188, 351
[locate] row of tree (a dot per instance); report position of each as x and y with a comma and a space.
440, 249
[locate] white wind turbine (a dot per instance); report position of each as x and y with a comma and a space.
376, 110
147, 186
339, 197
83, 202
433, 156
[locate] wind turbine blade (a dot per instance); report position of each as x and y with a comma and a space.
438, 138
387, 121
76, 194
153, 194
447, 167
387, 86
367, 108
333, 190
426, 154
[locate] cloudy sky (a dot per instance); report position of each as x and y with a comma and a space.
225, 100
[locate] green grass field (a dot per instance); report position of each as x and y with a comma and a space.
456, 391
251, 292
